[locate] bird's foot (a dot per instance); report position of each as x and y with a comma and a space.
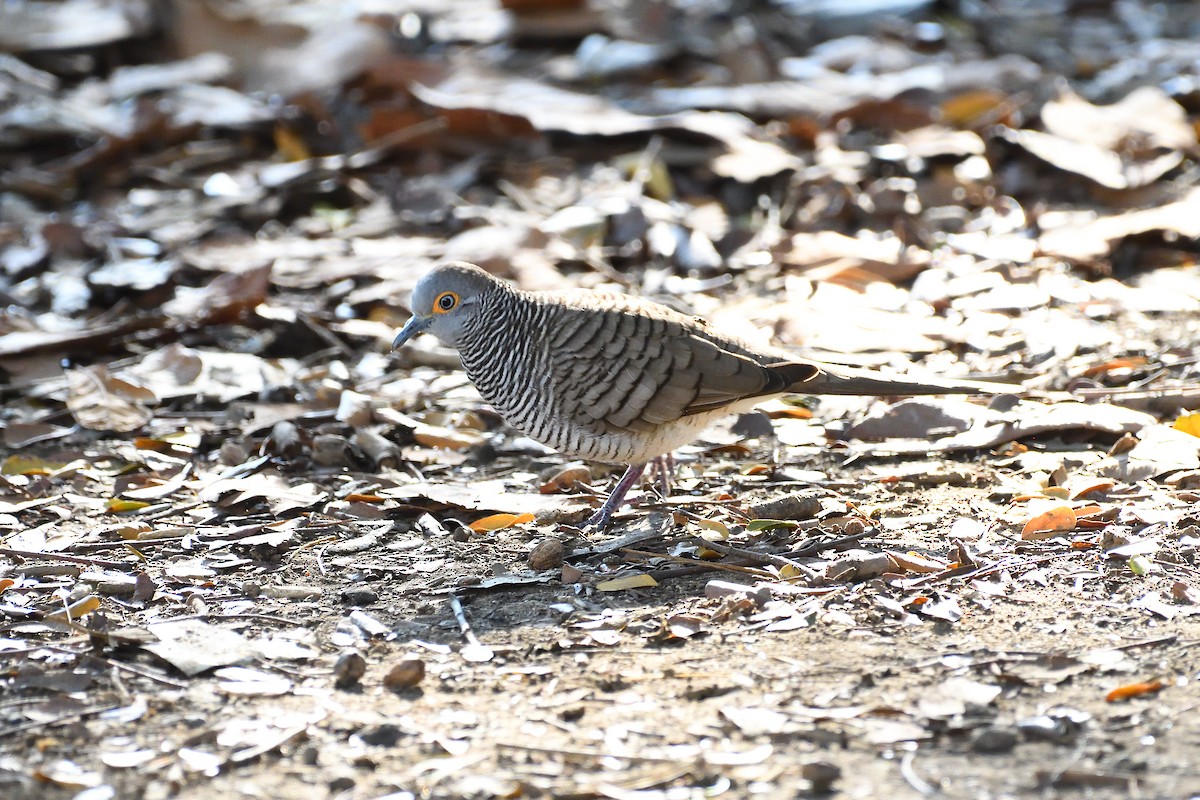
599, 520
663, 469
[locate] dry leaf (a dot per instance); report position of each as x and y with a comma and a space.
497, 522
915, 562
433, 436
1048, 523
1133, 690
568, 478
1188, 423
639, 581
76, 610
715, 531
101, 401
119, 505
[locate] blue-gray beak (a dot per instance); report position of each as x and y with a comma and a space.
414, 326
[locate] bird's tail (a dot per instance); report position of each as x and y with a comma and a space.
832, 379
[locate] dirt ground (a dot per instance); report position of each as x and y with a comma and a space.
665, 691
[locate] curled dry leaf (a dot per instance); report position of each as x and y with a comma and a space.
684, 626
915, 562
1083, 485
101, 401
497, 522
567, 479
714, 530
1130, 690
224, 299
1049, 523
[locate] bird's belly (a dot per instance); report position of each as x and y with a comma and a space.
620, 447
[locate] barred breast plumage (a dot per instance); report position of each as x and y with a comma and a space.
613, 378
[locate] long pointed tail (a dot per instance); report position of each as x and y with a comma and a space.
833, 379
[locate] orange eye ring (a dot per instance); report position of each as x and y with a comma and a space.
445, 302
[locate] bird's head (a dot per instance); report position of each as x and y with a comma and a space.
445, 300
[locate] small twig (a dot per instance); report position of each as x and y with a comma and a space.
1168, 639
754, 556
597, 754
988, 570
712, 565
168, 512
258, 617
87, 562
817, 547
117, 665
87, 547
38, 723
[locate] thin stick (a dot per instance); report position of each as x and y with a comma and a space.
817, 547
715, 565
569, 751
87, 562
762, 558
33, 725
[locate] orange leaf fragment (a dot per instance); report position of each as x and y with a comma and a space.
1051, 521
1133, 690
790, 412
497, 522
1116, 364
1084, 485
355, 497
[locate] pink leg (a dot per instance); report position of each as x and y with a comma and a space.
599, 520
664, 470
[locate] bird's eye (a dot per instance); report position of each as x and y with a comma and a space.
446, 301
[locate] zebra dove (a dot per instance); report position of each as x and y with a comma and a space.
611, 378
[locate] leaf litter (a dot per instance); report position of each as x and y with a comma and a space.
242, 544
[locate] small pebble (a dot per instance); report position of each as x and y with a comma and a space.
548, 554
383, 735
234, 452
330, 450
993, 739
359, 597
341, 784
405, 675
349, 669
822, 775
